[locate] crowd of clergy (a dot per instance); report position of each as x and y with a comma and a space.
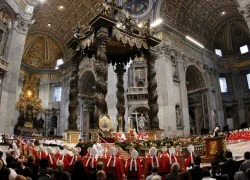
106, 161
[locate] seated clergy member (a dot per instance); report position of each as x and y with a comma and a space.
133, 167
189, 161
51, 158
113, 166
171, 160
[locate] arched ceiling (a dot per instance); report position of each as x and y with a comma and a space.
63, 20
200, 18
41, 51
230, 37
194, 79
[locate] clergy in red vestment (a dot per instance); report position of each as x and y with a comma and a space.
64, 158
189, 161
151, 162
170, 160
164, 152
51, 158
74, 158
133, 167
113, 166
91, 162
57, 153
41, 153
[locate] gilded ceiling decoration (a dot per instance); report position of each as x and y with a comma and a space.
200, 18
58, 18
41, 51
230, 37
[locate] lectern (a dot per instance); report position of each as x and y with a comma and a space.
213, 146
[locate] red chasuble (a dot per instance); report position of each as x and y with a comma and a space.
114, 167
133, 170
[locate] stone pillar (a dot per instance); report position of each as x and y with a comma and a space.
101, 71
86, 119
183, 97
73, 93
238, 91
15, 45
120, 97
152, 93
63, 124
110, 98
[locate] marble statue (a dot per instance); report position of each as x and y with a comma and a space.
142, 123
178, 116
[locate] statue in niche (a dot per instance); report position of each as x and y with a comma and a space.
215, 117
178, 115
142, 121
41, 122
53, 119
174, 65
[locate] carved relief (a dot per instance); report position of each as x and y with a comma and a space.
152, 93
101, 71
175, 72
5, 18
179, 119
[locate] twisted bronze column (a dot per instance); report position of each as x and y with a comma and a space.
101, 71
74, 90
120, 105
152, 93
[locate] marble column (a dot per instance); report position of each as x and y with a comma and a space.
150, 56
74, 90
101, 71
120, 105
86, 119
239, 96
15, 45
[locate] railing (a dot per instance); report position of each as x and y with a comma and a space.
138, 90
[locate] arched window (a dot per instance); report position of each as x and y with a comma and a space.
59, 62
57, 93
248, 80
223, 85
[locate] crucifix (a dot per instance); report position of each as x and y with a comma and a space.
135, 113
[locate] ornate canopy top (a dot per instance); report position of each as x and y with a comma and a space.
124, 38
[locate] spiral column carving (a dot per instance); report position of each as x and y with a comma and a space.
101, 72
120, 105
73, 93
152, 93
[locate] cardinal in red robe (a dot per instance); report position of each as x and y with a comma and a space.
133, 167
113, 167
